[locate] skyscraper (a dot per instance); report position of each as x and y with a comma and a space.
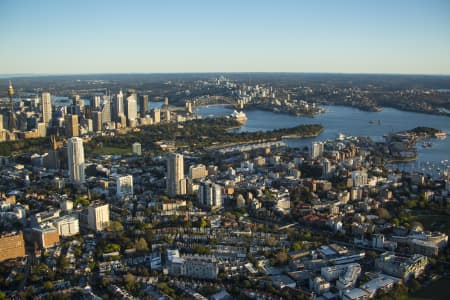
12, 114
118, 106
96, 102
143, 104
97, 121
71, 125
175, 175
75, 155
210, 195
46, 108
156, 115
106, 111
131, 107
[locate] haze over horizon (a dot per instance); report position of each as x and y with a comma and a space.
85, 37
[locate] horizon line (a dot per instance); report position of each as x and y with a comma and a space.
38, 74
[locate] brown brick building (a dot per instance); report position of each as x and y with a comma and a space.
12, 245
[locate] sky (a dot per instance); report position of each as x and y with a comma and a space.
156, 36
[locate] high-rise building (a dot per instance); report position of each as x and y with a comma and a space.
359, 178
175, 175
12, 114
46, 108
143, 104
71, 125
156, 115
1, 122
106, 111
124, 185
166, 103
210, 195
97, 121
118, 106
197, 171
96, 102
317, 149
131, 108
98, 216
75, 155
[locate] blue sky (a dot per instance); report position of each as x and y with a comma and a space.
99, 36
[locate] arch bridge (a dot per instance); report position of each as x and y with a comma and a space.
216, 100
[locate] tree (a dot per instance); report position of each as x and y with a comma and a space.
383, 213
281, 257
129, 280
48, 286
141, 245
116, 226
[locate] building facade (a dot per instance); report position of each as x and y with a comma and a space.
75, 156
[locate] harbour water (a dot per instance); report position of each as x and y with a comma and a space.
355, 122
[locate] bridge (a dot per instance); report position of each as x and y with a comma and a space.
216, 100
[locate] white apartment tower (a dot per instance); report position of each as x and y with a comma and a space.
175, 175
46, 108
98, 217
124, 185
75, 155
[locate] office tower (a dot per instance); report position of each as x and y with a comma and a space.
197, 171
71, 125
137, 148
156, 115
98, 216
106, 111
166, 103
53, 158
210, 195
96, 121
167, 115
124, 185
12, 114
46, 108
189, 107
96, 102
326, 168
1, 122
118, 106
131, 108
359, 178
317, 149
75, 155
143, 104
175, 175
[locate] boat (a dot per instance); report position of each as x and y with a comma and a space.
241, 117
427, 144
441, 135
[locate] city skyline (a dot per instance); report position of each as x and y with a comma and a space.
50, 37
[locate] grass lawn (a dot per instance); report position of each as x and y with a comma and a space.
438, 290
112, 150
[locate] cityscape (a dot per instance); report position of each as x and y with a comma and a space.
218, 183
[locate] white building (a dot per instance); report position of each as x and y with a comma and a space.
75, 155
67, 225
210, 194
131, 107
359, 178
194, 266
176, 185
124, 185
317, 149
137, 148
46, 107
98, 216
